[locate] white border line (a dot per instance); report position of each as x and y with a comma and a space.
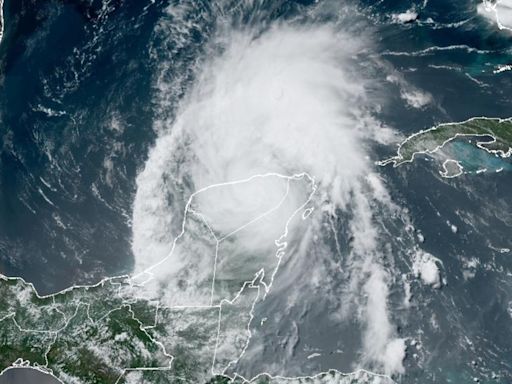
444, 172
491, 6
281, 246
399, 159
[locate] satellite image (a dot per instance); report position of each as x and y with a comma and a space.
255, 191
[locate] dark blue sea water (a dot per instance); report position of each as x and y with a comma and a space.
71, 73
26, 375
78, 105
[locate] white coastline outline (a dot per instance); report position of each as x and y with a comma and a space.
399, 159
444, 171
280, 243
492, 7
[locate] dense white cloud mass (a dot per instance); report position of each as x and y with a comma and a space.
379, 342
281, 102
499, 11
425, 267
277, 103
405, 17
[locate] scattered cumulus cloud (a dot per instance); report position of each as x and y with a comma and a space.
413, 96
284, 101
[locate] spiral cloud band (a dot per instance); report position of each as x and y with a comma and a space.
264, 107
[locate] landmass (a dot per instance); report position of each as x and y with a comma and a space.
493, 135
451, 169
93, 334
498, 11
168, 325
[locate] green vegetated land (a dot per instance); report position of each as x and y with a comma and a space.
435, 138
88, 334
95, 335
104, 334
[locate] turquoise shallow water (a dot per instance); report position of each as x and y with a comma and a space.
78, 107
473, 158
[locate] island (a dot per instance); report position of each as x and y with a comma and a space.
493, 135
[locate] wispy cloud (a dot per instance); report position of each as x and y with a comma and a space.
284, 101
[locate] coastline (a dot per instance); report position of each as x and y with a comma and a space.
1, 20
399, 159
